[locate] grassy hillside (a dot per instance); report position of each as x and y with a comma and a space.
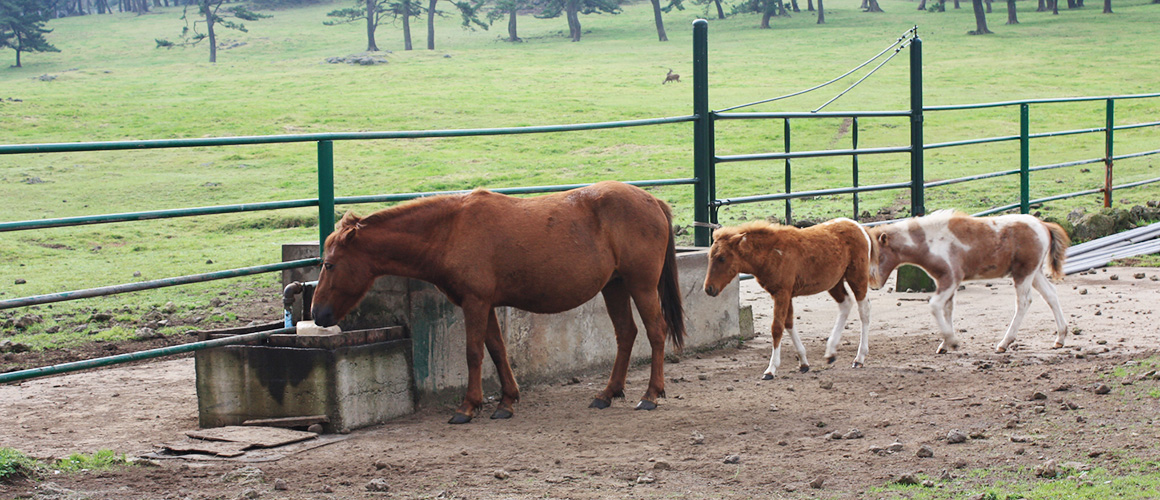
109, 82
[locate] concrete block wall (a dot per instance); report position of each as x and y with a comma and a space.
542, 347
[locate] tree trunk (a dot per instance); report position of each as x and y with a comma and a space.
1071, 4
1011, 17
821, 13
660, 22
1055, 7
1107, 6
371, 17
980, 19
921, 5
810, 5
956, 4
407, 25
767, 14
431, 24
512, 37
572, 10
1042, 6
874, 7
721, 12
18, 47
794, 6
988, 2
212, 38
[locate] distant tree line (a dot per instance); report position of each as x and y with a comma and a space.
22, 21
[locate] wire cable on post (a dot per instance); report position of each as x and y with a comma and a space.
860, 80
905, 37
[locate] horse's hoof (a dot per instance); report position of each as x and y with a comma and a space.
1000, 350
501, 413
830, 359
1057, 345
645, 404
767, 376
943, 350
857, 365
459, 418
805, 368
600, 404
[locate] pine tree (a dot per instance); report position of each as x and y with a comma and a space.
22, 25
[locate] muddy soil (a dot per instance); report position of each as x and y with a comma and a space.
721, 433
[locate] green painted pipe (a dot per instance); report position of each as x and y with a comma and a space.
137, 356
1036, 101
803, 194
153, 214
811, 154
389, 198
148, 285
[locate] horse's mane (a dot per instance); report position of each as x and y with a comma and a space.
351, 222
753, 227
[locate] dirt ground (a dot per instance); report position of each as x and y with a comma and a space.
721, 433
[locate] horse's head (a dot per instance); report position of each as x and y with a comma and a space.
724, 259
346, 274
883, 255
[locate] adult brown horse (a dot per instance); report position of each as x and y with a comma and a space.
789, 262
544, 254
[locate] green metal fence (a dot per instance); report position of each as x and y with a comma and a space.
703, 181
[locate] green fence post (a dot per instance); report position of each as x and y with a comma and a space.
1024, 159
702, 135
788, 178
917, 203
854, 163
1110, 127
325, 192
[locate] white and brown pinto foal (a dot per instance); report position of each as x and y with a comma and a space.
952, 247
789, 262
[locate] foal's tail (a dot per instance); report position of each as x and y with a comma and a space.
669, 289
1059, 244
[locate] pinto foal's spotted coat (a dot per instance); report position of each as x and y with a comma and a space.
789, 262
952, 247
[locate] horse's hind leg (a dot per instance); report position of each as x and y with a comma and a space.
845, 305
617, 300
1047, 290
498, 352
648, 304
1023, 302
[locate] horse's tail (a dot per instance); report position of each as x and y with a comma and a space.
1059, 243
669, 289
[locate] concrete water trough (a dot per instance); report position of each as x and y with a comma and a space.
404, 346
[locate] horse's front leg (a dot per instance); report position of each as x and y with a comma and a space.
941, 305
845, 305
475, 319
507, 380
782, 309
1023, 302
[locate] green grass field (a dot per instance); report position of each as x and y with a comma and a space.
111, 83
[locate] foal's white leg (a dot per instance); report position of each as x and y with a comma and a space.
864, 343
803, 364
774, 361
1023, 301
1047, 290
844, 308
940, 302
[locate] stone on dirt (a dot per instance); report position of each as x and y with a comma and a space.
817, 482
906, 479
852, 434
1049, 469
249, 494
244, 475
697, 438
279, 484
956, 436
378, 485
662, 465
646, 479
733, 459
501, 474
1102, 389
924, 451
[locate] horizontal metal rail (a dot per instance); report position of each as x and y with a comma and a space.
1136, 155
137, 356
1135, 125
153, 214
968, 142
158, 283
387, 198
1036, 101
1002, 173
820, 114
1005, 208
336, 136
805, 194
811, 154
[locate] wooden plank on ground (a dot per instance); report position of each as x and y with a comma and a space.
218, 448
289, 421
262, 437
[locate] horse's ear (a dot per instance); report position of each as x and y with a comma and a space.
882, 238
348, 220
741, 242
